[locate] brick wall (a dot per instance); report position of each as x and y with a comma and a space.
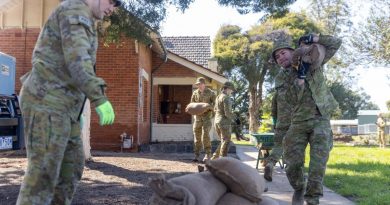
118, 66
19, 43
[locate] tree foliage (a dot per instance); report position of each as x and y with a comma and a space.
275, 8
350, 102
250, 53
372, 38
137, 18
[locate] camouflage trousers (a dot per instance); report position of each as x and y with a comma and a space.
318, 134
224, 132
55, 156
277, 149
381, 137
236, 129
201, 129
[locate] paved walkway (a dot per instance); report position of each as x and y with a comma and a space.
280, 188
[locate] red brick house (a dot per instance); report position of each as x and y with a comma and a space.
148, 85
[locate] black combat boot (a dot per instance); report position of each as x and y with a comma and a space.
268, 169
298, 197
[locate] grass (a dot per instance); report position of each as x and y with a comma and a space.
242, 142
361, 174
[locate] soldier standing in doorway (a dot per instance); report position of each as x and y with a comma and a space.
223, 119
202, 123
52, 98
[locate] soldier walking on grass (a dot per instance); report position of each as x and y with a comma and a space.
202, 124
52, 98
281, 107
313, 104
381, 124
223, 119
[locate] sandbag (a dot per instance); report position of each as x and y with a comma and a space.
265, 200
203, 187
233, 199
312, 53
240, 178
168, 193
197, 108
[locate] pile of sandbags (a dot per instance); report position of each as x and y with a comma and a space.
228, 181
198, 108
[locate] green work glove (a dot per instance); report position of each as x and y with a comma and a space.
106, 113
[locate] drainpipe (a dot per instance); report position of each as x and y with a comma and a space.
165, 57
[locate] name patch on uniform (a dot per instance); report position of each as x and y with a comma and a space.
84, 20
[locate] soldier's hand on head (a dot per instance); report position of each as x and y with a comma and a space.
106, 113
307, 39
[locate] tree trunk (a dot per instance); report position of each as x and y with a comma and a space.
253, 109
85, 130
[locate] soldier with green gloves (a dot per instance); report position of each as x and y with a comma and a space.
281, 107
202, 123
313, 104
223, 118
52, 98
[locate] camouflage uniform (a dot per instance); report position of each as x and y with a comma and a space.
52, 98
202, 124
381, 131
281, 110
223, 120
313, 104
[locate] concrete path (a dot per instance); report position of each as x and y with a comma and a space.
280, 188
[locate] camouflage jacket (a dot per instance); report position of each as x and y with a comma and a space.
281, 106
63, 61
315, 97
208, 96
381, 124
223, 109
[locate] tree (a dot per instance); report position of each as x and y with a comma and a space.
373, 38
333, 16
249, 53
350, 102
271, 7
137, 18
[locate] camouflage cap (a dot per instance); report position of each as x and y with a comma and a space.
117, 3
280, 45
229, 85
200, 80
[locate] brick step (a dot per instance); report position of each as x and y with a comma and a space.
179, 147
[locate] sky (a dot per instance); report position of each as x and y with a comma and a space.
205, 17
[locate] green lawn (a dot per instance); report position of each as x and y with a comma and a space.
360, 173
241, 142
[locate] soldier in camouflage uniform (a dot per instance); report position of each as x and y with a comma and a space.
381, 124
281, 107
223, 119
202, 123
52, 97
310, 124
237, 128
